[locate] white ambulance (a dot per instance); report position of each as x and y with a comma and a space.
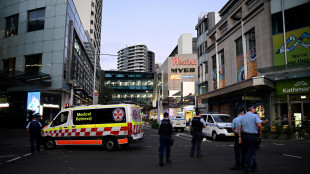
107, 125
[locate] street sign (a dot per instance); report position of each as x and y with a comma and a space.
96, 94
199, 101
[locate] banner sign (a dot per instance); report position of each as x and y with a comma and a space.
298, 86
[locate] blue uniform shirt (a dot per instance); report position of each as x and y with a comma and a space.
248, 123
235, 123
166, 119
201, 120
31, 121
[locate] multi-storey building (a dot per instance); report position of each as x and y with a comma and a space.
43, 53
249, 62
205, 22
136, 58
179, 71
130, 86
90, 13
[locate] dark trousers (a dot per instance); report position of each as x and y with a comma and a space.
239, 152
164, 143
35, 138
196, 141
249, 141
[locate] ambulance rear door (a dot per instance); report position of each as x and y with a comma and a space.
137, 124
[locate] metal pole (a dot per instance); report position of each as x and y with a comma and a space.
284, 32
94, 77
245, 64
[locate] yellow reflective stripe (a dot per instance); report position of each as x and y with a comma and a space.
82, 126
137, 123
135, 106
111, 106
112, 125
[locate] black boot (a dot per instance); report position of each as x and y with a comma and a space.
168, 161
161, 163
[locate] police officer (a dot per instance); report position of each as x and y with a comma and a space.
196, 126
34, 132
165, 132
251, 127
239, 157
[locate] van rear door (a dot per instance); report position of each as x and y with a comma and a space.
137, 125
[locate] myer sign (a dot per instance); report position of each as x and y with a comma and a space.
299, 86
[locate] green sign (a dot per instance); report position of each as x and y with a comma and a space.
298, 86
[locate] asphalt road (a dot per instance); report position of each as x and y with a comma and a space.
275, 156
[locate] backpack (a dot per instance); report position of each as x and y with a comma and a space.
165, 128
197, 125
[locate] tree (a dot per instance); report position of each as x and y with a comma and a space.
105, 96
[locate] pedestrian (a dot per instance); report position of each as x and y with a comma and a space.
165, 140
251, 127
239, 153
196, 125
34, 132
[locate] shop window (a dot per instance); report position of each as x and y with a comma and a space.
250, 39
33, 63
11, 26
36, 19
9, 64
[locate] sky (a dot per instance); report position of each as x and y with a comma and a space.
158, 24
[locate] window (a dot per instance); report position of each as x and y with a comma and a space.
33, 63
91, 22
11, 26
250, 39
224, 28
62, 118
91, 31
221, 56
92, 4
214, 62
110, 115
81, 117
9, 64
36, 19
210, 120
239, 50
92, 13
206, 67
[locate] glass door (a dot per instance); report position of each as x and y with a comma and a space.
296, 114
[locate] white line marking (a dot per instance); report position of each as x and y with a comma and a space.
278, 144
13, 159
27, 154
292, 156
6, 156
231, 145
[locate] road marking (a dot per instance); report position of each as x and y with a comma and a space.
148, 146
27, 154
292, 156
278, 144
13, 159
5, 156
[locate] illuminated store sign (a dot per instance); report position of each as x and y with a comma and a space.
182, 70
180, 77
178, 61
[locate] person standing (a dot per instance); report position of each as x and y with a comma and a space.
251, 127
165, 132
239, 155
196, 126
34, 132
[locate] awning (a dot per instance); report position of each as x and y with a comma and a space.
255, 82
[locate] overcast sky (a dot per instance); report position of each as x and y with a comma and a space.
155, 23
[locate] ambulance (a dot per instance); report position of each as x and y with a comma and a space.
178, 122
104, 125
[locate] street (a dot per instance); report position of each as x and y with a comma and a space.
275, 156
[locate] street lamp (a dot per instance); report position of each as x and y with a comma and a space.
95, 68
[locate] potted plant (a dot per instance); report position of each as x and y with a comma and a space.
278, 131
265, 132
289, 131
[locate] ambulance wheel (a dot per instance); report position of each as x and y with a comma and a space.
214, 136
50, 144
110, 144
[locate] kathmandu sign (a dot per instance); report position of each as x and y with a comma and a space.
299, 86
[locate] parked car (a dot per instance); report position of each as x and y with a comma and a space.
178, 122
218, 125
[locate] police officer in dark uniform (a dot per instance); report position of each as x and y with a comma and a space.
196, 126
250, 126
34, 132
165, 132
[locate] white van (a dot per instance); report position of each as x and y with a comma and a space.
107, 125
178, 122
218, 125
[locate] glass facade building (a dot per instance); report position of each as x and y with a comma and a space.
130, 86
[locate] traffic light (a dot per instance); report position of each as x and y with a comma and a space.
66, 105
